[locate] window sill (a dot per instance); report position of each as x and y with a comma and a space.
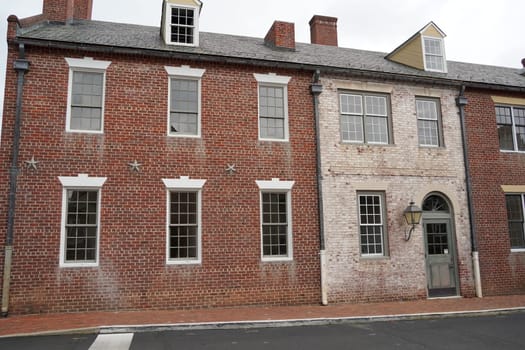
517, 250
274, 140
185, 136
276, 259
361, 144
92, 132
431, 147
66, 265
372, 258
511, 151
183, 262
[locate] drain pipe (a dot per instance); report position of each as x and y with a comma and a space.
461, 102
21, 66
316, 88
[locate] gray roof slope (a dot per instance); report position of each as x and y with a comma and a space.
137, 37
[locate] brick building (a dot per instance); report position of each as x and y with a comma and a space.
162, 168
495, 120
156, 171
387, 140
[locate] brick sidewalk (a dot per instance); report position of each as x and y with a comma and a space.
93, 321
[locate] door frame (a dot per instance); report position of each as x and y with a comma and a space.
448, 217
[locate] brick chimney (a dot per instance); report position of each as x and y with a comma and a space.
67, 10
323, 30
523, 69
281, 36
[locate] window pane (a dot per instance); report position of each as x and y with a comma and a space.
368, 124
182, 25
183, 225
428, 132
86, 101
274, 224
271, 112
371, 224
81, 226
351, 104
433, 46
519, 120
434, 57
515, 220
376, 129
426, 110
352, 128
184, 106
375, 105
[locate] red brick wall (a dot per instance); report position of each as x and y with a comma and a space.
132, 272
281, 35
64, 10
502, 272
323, 30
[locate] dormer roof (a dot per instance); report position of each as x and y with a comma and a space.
424, 50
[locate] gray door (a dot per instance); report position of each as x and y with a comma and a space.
440, 258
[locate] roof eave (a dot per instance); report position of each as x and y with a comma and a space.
441, 81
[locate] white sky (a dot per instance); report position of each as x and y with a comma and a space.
478, 31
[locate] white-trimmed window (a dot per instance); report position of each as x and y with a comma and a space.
428, 122
434, 52
184, 115
515, 219
365, 118
86, 91
184, 231
276, 220
372, 228
511, 128
273, 106
182, 24
80, 228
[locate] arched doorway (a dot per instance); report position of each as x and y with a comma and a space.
440, 246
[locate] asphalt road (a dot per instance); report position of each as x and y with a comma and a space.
483, 332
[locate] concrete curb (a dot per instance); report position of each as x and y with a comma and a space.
265, 323
301, 322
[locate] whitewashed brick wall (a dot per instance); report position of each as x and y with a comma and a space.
404, 171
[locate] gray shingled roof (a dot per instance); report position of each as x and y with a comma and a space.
135, 37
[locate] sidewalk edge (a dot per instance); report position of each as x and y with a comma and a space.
262, 323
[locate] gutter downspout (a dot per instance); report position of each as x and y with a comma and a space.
461, 102
316, 88
21, 65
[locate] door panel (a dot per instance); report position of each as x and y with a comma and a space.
440, 258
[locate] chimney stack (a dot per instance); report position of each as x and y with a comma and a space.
281, 36
523, 69
67, 10
323, 30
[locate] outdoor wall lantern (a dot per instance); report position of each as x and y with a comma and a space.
412, 216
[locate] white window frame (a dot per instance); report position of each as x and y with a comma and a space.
167, 24
273, 80
184, 183
86, 64
514, 133
81, 182
522, 197
277, 186
438, 121
384, 242
364, 114
187, 73
443, 57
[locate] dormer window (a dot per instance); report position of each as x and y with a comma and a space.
182, 25
180, 22
424, 50
434, 55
